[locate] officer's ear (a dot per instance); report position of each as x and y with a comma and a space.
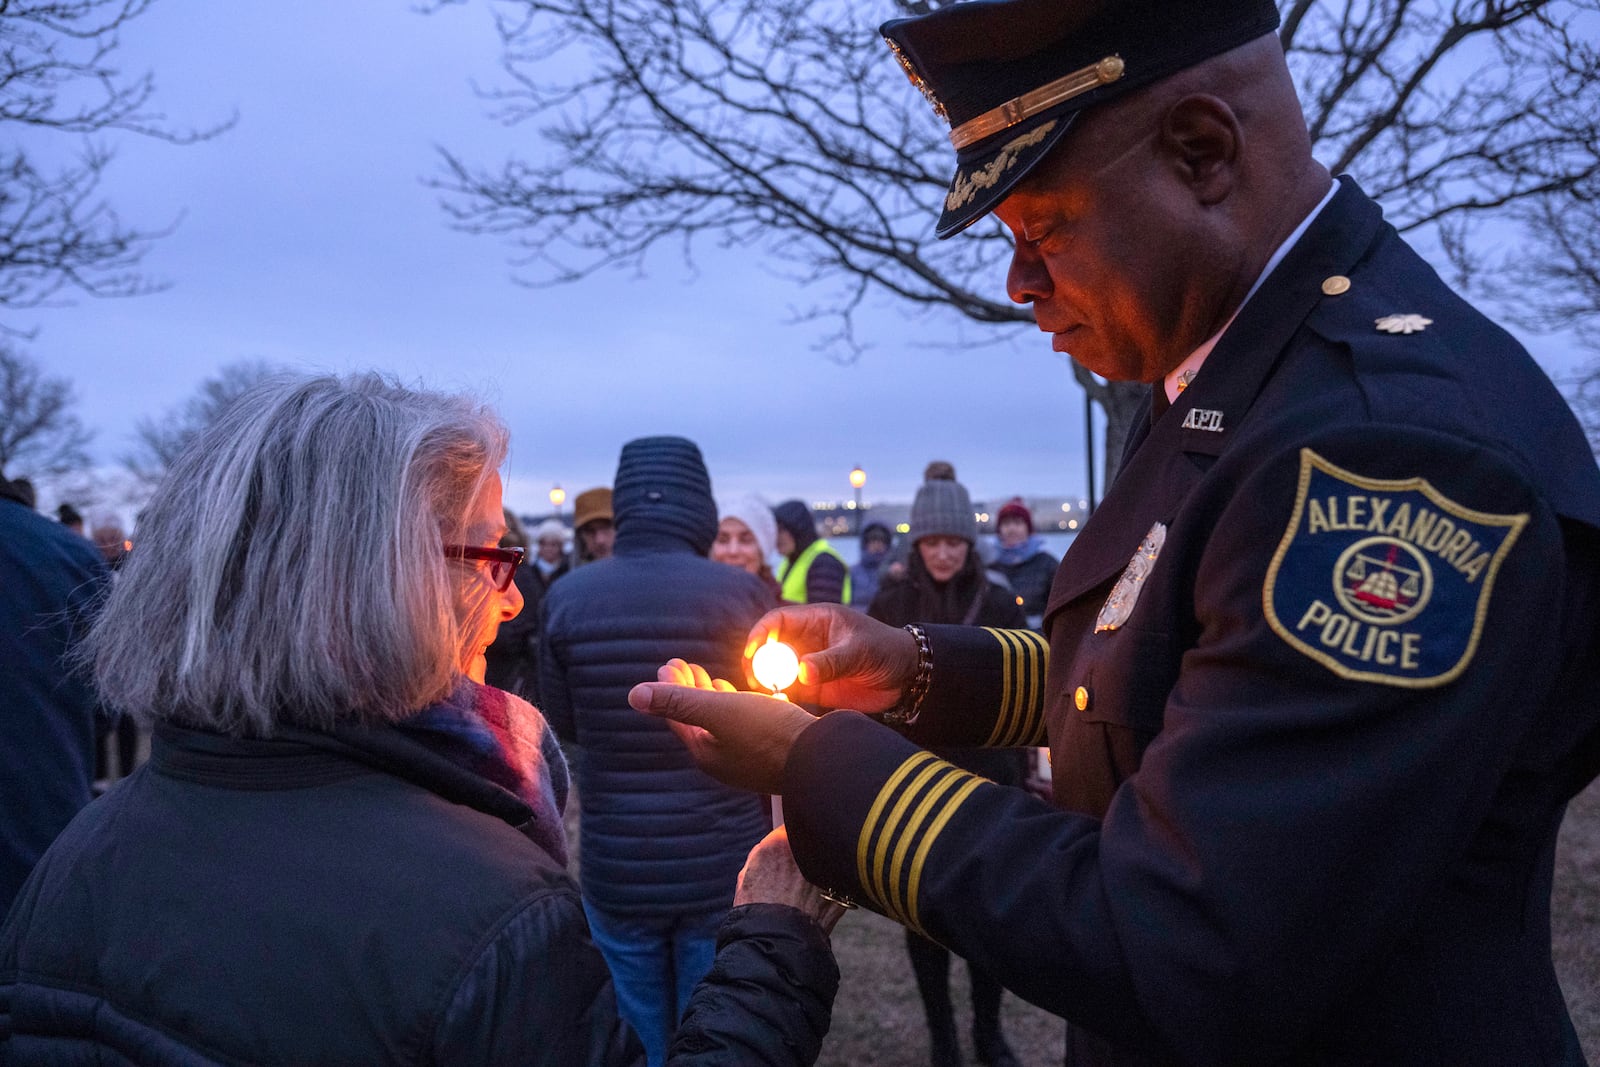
1203, 140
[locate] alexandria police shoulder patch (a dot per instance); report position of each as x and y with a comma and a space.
1384, 581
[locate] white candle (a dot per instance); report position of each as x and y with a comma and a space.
775, 665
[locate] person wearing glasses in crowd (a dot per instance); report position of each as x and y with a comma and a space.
513, 657
345, 848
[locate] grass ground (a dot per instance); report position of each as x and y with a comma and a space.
1575, 918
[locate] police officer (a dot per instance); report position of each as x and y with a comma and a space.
1321, 671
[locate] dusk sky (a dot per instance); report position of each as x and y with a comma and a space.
306, 237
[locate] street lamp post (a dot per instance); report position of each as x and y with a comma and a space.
558, 496
858, 478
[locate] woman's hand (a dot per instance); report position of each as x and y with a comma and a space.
770, 876
847, 660
740, 739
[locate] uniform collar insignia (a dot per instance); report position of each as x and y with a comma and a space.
1202, 419
1403, 323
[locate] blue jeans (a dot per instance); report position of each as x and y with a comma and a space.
655, 962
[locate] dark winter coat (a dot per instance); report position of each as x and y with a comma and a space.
511, 662
49, 580
351, 899
913, 600
659, 836
1029, 576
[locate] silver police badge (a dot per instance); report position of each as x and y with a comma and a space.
1384, 580
1125, 594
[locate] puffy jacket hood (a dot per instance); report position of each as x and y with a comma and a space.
662, 494
794, 516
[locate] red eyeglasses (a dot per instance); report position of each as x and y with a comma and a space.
503, 562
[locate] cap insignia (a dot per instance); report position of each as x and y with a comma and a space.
1403, 323
917, 79
966, 186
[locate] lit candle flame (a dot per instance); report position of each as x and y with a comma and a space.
775, 665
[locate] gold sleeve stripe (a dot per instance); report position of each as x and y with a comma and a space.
1011, 671
1037, 654
932, 801
1025, 657
909, 812
912, 916
869, 828
1007, 668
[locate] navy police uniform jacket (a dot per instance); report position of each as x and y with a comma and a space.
1321, 676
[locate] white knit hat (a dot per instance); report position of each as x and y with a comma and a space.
551, 529
755, 513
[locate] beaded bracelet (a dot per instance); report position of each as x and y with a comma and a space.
905, 713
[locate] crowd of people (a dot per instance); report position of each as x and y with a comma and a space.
554, 628
1317, 679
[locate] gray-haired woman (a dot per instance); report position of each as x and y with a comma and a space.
345, 849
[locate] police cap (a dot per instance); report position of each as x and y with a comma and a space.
1010, 76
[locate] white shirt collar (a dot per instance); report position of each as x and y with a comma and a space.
1191, 365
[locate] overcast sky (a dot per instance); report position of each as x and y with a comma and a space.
306, 237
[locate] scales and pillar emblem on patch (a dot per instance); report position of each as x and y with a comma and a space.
1384, 580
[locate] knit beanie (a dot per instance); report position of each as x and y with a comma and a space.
662, 488
943, 508
549, 530
1015, 509
794, 516
755, 513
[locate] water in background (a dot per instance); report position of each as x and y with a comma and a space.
1056, 544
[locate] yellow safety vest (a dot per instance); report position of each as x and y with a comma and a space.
794, 578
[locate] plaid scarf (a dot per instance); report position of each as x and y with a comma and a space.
504, 739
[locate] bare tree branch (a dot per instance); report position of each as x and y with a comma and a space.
59, 74
787, 129
40, 436
158, 441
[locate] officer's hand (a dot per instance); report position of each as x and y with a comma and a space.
740, 739
847, 660
770, 876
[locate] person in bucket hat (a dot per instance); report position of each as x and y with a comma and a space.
1317, 676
